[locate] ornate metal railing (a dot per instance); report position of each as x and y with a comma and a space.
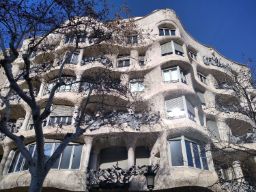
116, 177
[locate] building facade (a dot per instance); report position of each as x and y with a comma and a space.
173, 74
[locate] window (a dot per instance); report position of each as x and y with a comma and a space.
185, 152
142, 60
179, 107
60, 120
136, 85
69, 159
167, 32
132, 39
174, 74
192, 54
202, 78
70, 85
171, 47
213, 128
72, 38
123, 61
71, 58
175, 108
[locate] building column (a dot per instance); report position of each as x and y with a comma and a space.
134, 57
86, 153
131, 144
80, 57
8, 162
7, 150
41, 89
26, 120
239, 176
211, 81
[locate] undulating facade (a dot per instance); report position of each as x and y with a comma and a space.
173, 75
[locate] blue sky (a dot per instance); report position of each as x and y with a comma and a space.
227, 25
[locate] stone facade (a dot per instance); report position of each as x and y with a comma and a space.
173, 75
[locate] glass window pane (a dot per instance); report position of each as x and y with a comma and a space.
56, 164
173, 32
47, 151
189, 154
76, 157
204, 158
167, 76
161, 32
176, 153
19, 164
65, 159
196, 155
14, 161
133, 86
174, 74
167, 32
30, 149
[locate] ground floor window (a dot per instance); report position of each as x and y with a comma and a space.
69, 159
185, 152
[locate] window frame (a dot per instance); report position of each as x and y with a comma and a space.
202, 78
123, 59
139, 83
199, 145
181, 76
53, 144
171, 32
173, 49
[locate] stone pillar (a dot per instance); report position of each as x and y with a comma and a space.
26, 120
238, 171
86, 153
211, 81
41, 89
131, 156
131, 144
75, 113
8, 162
134, 58
210, 99
224, 130
4, 158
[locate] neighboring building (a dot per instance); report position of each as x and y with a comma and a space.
174, 75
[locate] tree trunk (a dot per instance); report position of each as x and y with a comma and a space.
36, 183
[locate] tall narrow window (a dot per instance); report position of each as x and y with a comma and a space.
196, 155
76, 156
189, 153
65, 160
176, 153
